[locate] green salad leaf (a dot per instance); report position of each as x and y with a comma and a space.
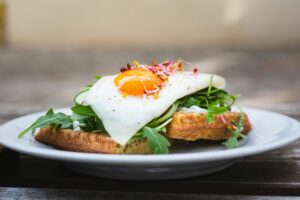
83, 110
216, 101
87, 118
214, 109
157, 142
57, 120
232, 142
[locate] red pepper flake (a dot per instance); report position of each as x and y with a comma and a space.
152, 69
195, 71
166, 63
128, 66
123, 69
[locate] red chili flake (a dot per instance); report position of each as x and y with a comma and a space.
166, 63
128, 66
152, 69
123, 69
195, 70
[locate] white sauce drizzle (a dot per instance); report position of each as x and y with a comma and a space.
193, 109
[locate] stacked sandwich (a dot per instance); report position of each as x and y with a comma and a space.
142, 110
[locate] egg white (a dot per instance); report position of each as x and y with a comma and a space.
123, 117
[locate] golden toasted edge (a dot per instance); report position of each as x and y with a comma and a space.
194, 126
72, 140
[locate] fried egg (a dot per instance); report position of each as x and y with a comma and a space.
120, 100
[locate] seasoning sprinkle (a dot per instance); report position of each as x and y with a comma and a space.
195, 71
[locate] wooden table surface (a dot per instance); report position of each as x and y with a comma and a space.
34, 80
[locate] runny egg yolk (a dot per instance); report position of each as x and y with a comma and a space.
137, 82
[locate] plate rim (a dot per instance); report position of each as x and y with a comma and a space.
176, 158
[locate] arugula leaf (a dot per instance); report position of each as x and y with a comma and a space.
83, 110
50, 119
49, 112
213, 109
77, 117
87, 119
157, 143
232, 142
99, 125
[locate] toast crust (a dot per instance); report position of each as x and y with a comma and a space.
184, 126
194, 126
79, 141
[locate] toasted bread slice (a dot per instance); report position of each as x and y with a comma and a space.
194, 126
184, 126
79, 141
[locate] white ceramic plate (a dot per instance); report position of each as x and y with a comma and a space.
270, 131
